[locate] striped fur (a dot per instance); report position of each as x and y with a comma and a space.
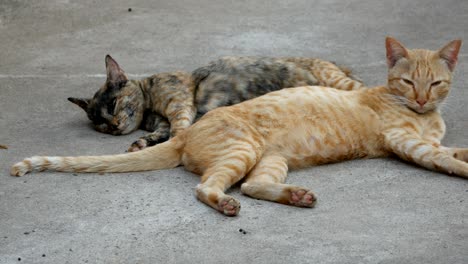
165, 103
261, 139
231, 80
161, 103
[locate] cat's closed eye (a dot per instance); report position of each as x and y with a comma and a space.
436, 83
408, 82
111, 106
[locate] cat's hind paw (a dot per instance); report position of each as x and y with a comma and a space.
229, 206
302, 198
138, 145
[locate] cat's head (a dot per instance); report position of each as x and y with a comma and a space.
420, 78
117, 107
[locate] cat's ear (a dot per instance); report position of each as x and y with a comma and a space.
449, 53
115, 74
81, 102
395, 51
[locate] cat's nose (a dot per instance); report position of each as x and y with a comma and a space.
421, 102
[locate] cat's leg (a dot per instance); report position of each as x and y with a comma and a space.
181, 119
413, 148
458, 153
436, 132
180, 114
161, 132
266, 182
435, 135
227, 170
331, 75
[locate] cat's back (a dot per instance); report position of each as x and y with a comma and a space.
246, 65
231, 80
304, 119
177, 81
259, 74
308, 125
288, 108
305, 99
285, 105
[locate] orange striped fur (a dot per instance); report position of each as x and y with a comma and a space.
260, 139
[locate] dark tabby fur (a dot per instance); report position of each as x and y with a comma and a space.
231, 80
121, 105
164, 103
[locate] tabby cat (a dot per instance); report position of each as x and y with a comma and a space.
121, 105
261, 139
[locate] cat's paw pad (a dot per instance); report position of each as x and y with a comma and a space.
138, 145
302, 198
229, 206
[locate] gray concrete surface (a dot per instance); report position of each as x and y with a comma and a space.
369, 211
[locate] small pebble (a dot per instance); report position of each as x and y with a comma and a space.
129, 10
240, 230
74, 174
43, 255
19, 259
26, 233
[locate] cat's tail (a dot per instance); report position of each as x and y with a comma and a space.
348, 72
337, 76
163, 156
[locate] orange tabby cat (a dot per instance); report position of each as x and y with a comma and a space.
293, 128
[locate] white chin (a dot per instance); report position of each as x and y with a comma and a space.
421, 110
417, 109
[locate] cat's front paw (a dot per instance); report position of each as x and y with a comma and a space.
461, 154
138, 145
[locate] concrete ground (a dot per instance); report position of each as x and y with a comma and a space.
369, 211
